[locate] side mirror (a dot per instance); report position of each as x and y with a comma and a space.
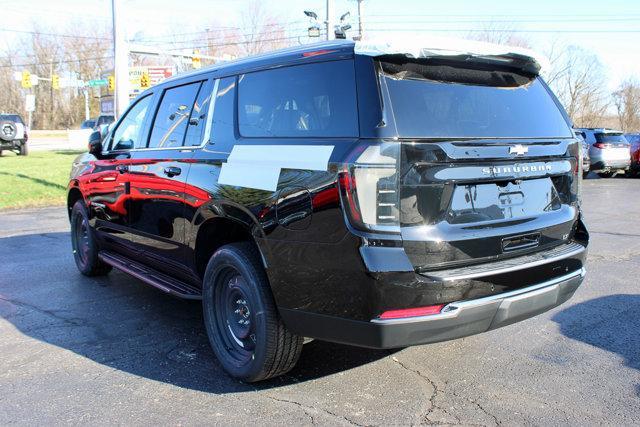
95, 143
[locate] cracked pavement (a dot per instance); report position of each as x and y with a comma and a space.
77, 350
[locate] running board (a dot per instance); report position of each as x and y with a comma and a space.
150, 276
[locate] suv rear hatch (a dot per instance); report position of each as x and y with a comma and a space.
614, 146
488, 162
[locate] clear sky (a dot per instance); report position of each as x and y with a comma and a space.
611, 28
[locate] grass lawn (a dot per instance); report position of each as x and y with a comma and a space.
39, 179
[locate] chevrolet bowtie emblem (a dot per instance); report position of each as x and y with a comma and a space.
518, 150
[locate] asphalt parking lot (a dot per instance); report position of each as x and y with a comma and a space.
75, 350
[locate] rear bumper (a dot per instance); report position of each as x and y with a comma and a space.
606, 165
457, 319
11, 145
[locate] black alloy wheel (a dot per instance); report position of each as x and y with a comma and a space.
241, 318
85, 248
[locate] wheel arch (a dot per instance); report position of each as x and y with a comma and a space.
73, 195
217, 231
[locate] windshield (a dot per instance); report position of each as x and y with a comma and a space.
494, 104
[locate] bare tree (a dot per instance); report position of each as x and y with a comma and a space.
579, 80
500, 33
627, 101
262, 31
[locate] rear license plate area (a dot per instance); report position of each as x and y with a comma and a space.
505, 200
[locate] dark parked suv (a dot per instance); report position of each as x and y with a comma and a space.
341, 192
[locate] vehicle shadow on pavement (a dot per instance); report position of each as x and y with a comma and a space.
611, 323
123, 324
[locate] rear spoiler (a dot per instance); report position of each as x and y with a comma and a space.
519, 58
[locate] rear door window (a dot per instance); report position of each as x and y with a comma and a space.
173, 115
312, 100
198, 119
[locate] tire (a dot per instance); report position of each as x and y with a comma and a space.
24, 150
585, 175
605, 174
8, 130
83, 243
240, 316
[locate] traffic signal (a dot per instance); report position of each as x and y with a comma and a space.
111, 82
26, 79
144, 81
195, 59
55, 81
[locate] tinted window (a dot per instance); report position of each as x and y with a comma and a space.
611, 138
173, 115
314, 100
105, 120
198, 119
498, 106
221, 131
129, 131
11, 117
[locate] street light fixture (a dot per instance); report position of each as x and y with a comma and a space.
314, 28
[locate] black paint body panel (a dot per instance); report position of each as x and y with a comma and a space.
316, 261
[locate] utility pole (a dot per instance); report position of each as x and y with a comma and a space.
87, 114
121, 58
329, 21
360, 18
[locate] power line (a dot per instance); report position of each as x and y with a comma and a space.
68, 61
244, 42
497, 30
204, 31
506, 21
208, 37
39, 33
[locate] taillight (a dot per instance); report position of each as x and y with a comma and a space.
600, 145
369, 188
412, 312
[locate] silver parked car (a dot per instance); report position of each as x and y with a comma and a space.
609, 151
586, 160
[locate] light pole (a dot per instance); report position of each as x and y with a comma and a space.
360, 18
329, 21
120, 58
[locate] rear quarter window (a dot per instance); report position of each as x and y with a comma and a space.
312, 100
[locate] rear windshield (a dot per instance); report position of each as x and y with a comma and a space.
611, 138
12, 117
451, 102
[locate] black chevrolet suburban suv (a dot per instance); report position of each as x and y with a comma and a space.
359, 194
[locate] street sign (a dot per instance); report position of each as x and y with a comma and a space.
30, 103
98, 82
155, 75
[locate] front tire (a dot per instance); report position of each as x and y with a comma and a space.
83, 242
242, 323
